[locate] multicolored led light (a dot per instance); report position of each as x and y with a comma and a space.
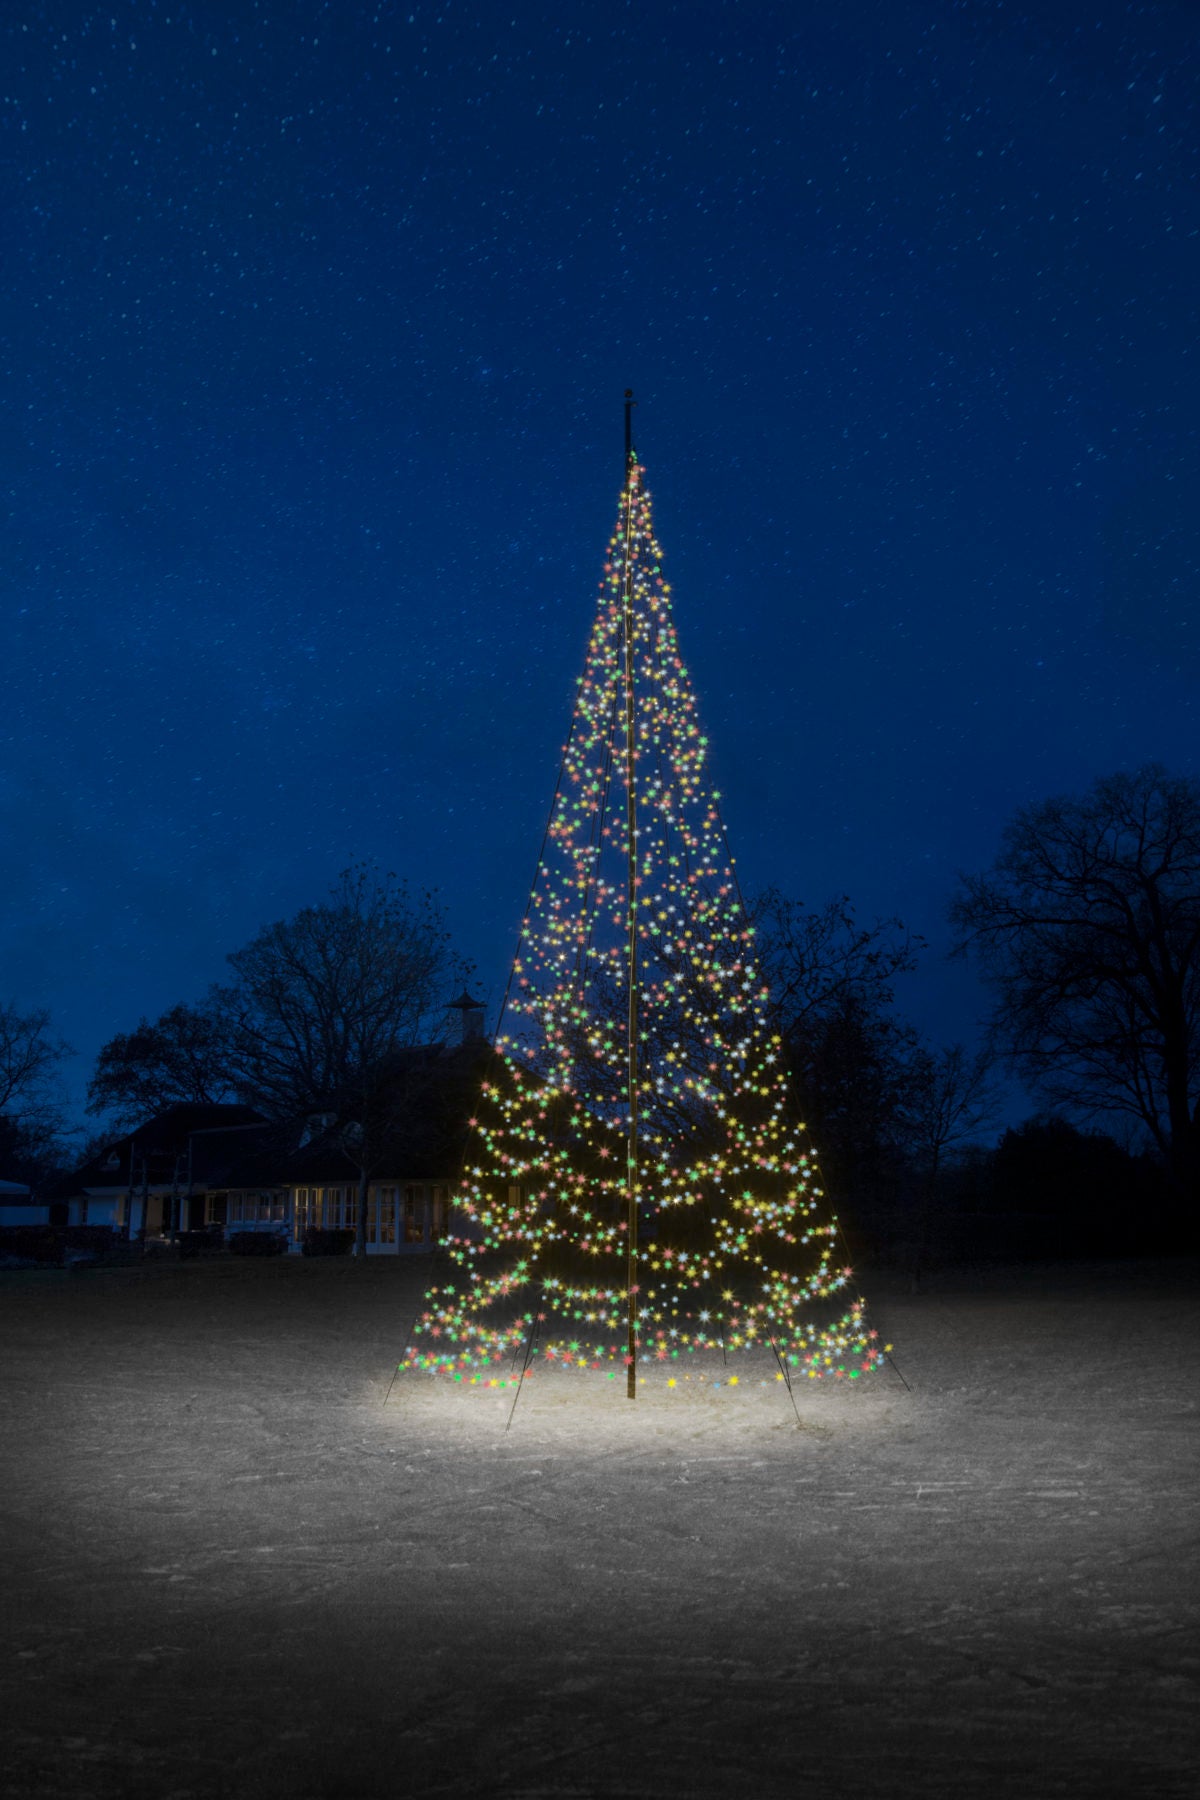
733, 1248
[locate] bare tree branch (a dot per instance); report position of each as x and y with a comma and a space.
33, 1131
183, 1056
336, 990
1087, 927
30, 1056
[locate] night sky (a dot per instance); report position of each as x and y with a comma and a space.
315, 321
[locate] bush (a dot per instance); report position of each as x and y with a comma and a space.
30, 1244
100, 1238
208, 1242
1091, 1196
257, 1243
326, 1243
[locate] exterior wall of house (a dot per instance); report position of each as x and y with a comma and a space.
403, 1218
113, 1206
24, 1212
249, 1209
158, 1213
97, 1209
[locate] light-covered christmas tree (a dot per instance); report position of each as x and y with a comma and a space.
635, 1189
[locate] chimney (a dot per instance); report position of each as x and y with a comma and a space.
470, 1014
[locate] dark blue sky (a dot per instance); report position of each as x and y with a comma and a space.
315, 323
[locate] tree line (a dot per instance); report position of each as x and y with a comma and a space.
1086, 930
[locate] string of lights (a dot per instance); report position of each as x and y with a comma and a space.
634, 1187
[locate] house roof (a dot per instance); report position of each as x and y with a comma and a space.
433, 1100
244, 1156
428, 1101
157, 1143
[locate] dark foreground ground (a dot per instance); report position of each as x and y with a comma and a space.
231, 1570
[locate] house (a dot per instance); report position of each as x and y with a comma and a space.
300, 1174
141, 1183
256, 1186
237, 1175
17, 1205
227, 1168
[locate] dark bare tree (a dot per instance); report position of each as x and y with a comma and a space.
36, 1146
950, 1097
332, 1010
816, 961
30, 1059
1087, 928
34, 1136
319, 997
183, 1056
832, 983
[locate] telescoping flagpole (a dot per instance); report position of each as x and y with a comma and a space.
631, 1167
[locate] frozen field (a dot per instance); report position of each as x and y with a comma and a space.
231, 1570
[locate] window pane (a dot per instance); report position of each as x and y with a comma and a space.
381, 1216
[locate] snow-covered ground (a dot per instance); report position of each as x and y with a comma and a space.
232, 1570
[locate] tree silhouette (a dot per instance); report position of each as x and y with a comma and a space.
1087, 927
184, 1056
34, 1137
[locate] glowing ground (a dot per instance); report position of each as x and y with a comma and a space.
232, 1571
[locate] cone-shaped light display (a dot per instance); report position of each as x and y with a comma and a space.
635, 1188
